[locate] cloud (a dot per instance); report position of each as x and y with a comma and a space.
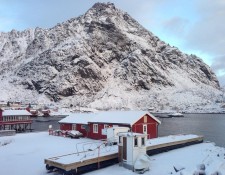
219, 64
45, 14
208, 33
221, 79
176, 26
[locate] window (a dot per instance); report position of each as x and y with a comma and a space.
74, 127
135, 142
120, 139
144, 129
83, 127
95, 128
142, 141
106, 126
145, 119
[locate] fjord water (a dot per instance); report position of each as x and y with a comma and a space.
211, 126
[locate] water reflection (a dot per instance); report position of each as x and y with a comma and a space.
42, 124
211, 126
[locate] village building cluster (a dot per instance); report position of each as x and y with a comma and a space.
17, 116
92, 125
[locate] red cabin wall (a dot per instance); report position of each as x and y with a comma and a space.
1, 115
65, 126
152, 126
98, 135
16, 120
68, 127
81, 130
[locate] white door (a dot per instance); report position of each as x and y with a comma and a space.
74, 127
145, 129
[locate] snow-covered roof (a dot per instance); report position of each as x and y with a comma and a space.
81, 118
15, 112
122, 117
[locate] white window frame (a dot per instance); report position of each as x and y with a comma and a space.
145, 129
74, 127
95, 128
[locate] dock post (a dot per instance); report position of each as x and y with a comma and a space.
98, 156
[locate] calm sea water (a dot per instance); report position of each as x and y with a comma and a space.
42, 123
211, 126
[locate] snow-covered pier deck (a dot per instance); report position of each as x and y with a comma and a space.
162, 144
92, 158
102, 155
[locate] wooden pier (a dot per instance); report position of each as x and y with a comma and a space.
170, 145
93, 159
53, 162
79, 162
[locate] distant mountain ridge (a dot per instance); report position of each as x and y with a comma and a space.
102, 59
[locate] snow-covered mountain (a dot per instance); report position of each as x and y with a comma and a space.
103, 59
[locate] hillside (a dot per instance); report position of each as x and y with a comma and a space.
103, 59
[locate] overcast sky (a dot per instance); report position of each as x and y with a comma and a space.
194, 26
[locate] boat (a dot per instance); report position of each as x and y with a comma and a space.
177, 114
42, 119
163, 116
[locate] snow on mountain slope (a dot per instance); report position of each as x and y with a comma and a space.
103, 59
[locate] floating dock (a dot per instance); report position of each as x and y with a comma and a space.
102, 155
63, 164
163, 144
93, 158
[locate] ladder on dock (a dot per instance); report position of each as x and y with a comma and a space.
88, 159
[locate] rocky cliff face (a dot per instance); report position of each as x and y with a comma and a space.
99, 59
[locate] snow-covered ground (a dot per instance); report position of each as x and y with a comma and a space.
24, 154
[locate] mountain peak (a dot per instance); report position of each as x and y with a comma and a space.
101, 57
102, 6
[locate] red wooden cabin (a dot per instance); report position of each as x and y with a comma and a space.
18, 120
92, 124
78, 121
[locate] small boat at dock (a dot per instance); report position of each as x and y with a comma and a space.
42, 119
177, 114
